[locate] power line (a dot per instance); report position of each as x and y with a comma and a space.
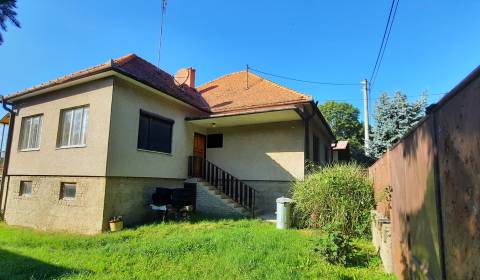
383, 40
164, 10
375, 98
386, 42
301, 80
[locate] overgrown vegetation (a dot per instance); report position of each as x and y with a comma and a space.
336, 246
244, 249
340, 194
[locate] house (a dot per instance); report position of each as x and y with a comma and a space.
96, 143
341, 151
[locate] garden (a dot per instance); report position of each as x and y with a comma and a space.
331, 242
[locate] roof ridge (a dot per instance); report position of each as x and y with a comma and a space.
306, 96
221, 77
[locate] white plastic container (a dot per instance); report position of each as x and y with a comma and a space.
284, 212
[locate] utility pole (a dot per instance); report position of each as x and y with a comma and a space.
365, 114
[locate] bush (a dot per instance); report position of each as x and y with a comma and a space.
340, 194
336, 246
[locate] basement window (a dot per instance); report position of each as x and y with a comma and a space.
215, 141
25, 188
68, 191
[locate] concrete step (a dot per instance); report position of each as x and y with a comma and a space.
212, 190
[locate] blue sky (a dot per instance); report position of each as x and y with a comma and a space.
433, 45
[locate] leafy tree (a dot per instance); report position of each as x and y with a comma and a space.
7, 12
343, 119
394, 117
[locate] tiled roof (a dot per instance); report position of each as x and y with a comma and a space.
231, 93
136, 68
228, 93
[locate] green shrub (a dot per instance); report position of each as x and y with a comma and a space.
340, 194
335, 246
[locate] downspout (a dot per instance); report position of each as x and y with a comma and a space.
7, 155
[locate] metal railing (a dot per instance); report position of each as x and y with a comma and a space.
223, 181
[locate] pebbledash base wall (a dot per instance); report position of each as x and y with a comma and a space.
45, 210
100, 198
97, 200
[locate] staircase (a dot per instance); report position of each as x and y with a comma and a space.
222, 185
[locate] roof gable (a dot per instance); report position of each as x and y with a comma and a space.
228, 93
245, 90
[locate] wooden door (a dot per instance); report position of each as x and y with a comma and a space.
199, 153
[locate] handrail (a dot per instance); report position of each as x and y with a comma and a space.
223, 181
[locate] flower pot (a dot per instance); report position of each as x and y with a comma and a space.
116, 226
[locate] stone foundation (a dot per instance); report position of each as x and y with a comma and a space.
44, 209
97, 200
267, 193
130, 197
382, 239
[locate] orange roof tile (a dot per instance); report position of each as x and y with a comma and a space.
135, 67
230, 93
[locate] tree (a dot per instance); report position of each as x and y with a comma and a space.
7, 12
394, 117
343, 119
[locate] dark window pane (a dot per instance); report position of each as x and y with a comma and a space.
325, 147
68, 190
155, 133
160, 136
316, 150
143, 132
215, 141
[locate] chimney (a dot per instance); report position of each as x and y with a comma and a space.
185, 76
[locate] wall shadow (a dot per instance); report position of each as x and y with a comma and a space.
14, 266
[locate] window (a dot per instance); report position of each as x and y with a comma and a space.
25, 188
154, 133
327, 153
316, 150
73, 127
68, 191
214, 140
30, 133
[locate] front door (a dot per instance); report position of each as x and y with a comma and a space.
199, 153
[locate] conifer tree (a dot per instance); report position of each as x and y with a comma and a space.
394, 117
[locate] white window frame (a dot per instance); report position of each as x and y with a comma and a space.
29, 137
83, 127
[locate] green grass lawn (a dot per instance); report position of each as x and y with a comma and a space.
227, 249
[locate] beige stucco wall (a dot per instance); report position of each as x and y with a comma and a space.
123, 157
46, 211
272, 151
49, 160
